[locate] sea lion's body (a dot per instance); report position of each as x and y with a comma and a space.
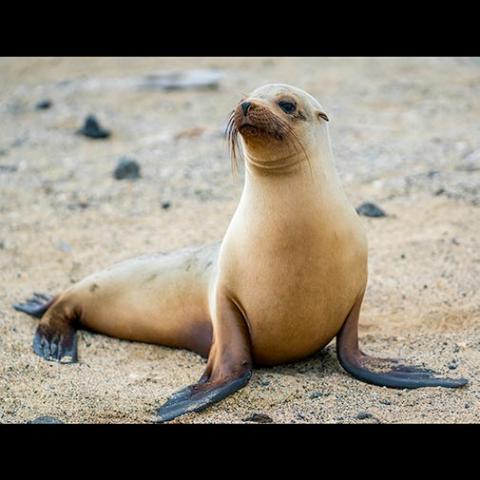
288, 276
160, 299
289, 271
288, 259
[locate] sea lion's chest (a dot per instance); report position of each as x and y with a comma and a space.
295, 283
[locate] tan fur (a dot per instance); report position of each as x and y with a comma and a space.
291, 265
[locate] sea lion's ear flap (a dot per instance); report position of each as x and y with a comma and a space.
322, 115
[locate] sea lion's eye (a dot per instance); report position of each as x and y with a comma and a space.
287, 107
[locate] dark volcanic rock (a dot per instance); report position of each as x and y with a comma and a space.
92, 129
127, 169
8, 168
368, 209
43, 104
258, 418
45, 419
363, 415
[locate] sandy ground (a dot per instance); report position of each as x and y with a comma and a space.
406, 135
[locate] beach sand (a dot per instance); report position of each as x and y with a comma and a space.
406, 136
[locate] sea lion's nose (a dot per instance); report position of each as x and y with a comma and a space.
245, 107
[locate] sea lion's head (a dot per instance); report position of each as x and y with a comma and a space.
278, 126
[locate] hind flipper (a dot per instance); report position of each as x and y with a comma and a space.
54, 344
383, 372
35, 306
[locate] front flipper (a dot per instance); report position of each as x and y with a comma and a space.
229, 366
199, 396
382, 372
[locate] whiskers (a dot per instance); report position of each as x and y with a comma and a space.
268, 124
231, 132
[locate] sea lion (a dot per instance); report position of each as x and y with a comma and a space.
289, 275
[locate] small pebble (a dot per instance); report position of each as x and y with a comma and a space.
43, 104
8, 168
166, 205
64, 247
368, 209
386, 402
45, 419
318, 394
127, 169
258, 418
92, 129
363, 415
452, 366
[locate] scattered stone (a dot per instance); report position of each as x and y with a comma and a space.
363, 415
453, 365
188, 79
92, 129
318, 394
467, 405
43, 104
402, 256
258, 418
3, 152
166, 205
385, 401
127, 169
438, 192
368, 209
264, 383
8, 168
455, 241
2, 244
18, 142
81, 205
45, 419
64, 247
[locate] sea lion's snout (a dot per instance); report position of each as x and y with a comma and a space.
256, 119
246, 107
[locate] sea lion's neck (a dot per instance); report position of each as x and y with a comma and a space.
295, 176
